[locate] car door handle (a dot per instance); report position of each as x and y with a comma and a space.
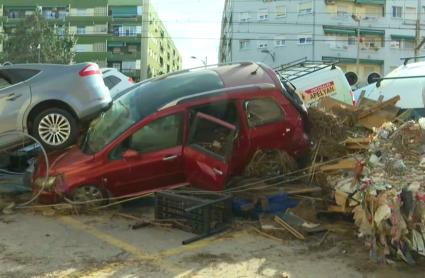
218, 172
12, 97
168, 158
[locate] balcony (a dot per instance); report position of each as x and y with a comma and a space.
124, 56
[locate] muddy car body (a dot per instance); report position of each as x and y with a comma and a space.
197, 127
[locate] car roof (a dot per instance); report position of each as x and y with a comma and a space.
40, 66
156, 93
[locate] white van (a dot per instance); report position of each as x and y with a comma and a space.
314, 81
407, 81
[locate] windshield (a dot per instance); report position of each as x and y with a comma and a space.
142, 100
123, 113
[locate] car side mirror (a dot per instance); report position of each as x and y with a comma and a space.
129, 154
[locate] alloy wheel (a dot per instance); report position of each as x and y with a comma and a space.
88, 194
54, 129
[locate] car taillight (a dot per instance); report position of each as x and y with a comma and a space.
90, 69
131, 80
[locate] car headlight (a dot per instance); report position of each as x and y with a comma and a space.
46, 183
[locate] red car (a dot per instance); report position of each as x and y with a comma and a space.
197, 127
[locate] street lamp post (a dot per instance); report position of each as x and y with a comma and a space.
357, 19
204, 62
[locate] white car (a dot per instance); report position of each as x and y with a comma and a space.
116, 81
407, 81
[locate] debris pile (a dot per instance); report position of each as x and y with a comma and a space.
387, 197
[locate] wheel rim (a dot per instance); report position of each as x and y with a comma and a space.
88, 194
54, 129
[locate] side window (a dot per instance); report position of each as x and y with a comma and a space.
111, 81
212, 135
4, 83
160, 134
14, 76
262, 111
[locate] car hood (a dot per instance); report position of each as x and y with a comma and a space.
66, 162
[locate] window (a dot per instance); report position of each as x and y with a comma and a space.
14, 76
280, 42
352, 40
244, 17
410, 13
305, 8
212, 136
342, 11
81, 30
83, 48
111, 81
397, 12
160, 134
243, 44
408, 44
263, 14
82, 12
395, 43
262, 111
305, 39
262, 44
280, 11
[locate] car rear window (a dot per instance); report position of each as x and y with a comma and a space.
14, 76
111, 81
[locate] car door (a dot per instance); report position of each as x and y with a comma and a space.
208, 151
152, 156
268, 125
15, 96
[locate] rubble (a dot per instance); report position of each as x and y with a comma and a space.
387, 201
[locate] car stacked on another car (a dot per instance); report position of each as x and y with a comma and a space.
197, 127
49, 101
116, 81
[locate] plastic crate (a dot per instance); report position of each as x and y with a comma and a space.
205, 213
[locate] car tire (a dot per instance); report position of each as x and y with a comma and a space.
90, 196
55, 128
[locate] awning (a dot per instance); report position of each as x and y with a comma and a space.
350, 31
343, 60
339, 30
403, 37
372, 32
14, 8
116, 44
124, 11
371, 2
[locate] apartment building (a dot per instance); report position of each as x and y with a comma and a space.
366, 36
123, 34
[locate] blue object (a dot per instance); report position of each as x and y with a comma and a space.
276, 204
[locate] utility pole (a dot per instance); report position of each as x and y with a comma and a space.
418, 44
314, 32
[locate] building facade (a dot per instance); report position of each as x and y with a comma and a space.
123, 34
365, 36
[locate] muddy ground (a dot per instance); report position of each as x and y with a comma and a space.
46, 243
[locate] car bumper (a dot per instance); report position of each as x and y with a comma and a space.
95, 109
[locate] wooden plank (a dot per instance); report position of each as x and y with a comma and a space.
296, 191
344, 164
366, 112
289, 228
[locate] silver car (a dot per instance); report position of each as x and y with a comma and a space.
50, 102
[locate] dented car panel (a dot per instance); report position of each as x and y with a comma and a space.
202, 139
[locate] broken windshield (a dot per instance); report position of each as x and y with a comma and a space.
123, 113
143, 100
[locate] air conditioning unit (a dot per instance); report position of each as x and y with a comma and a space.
330, 2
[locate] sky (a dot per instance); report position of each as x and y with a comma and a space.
195, 27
